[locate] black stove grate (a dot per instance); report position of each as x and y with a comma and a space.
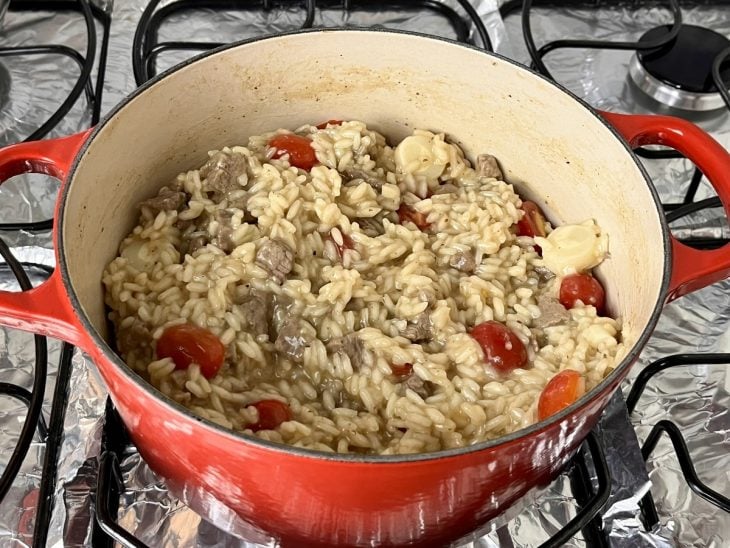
648, 508
83, 84
51, 433
147, 48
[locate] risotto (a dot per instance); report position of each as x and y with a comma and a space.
323, 289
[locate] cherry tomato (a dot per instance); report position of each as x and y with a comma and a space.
300, 151
324, 125
28, 509
563, 389
502, 348
347, 243
532, 222
188, 343
407, 213
271, 414
401, 371
582, 287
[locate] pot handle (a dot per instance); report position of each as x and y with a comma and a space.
45, 309
692, 269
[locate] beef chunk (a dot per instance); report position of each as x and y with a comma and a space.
371, 227
446, 188
220, 174
463, 262
551, 312
418, 385
293, 339
166, 200
487, 166
420, 330
256, 308
276, 257
196, 241
543, 273
225, 230
352, 346
132, 337
353, 174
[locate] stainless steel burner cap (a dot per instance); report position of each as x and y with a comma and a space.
679, 74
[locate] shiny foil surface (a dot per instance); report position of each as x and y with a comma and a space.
695, 397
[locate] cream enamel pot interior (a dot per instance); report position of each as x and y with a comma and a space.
574, 162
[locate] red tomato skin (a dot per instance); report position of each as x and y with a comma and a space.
401, 371
533, 221
300, 151
347, 243
502, 348
562, 390
188, 343
582, 287
324, 125
271, 414
407, 213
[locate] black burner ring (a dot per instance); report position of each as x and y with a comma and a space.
680, 72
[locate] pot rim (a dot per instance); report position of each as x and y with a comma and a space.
351, 458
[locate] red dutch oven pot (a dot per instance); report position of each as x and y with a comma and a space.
576, 163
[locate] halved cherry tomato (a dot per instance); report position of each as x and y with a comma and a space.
28, 508
502, 348
407, 213
271, 414
300, 151
324, 125
188, 343
532, 222
401, 371
347, 243
582, 287
563, 389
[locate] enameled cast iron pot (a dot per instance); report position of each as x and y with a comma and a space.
575, 162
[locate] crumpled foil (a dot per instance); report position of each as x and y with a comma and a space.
697, 398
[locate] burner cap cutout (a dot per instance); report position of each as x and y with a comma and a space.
679, 74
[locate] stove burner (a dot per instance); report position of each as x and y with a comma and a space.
679, 74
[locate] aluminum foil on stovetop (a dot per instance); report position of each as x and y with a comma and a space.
695, 323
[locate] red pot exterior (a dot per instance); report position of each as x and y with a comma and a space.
325, 502
308, 499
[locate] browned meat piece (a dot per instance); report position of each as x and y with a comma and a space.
353, 174
371, 227
418, 385
133, 336
420, 330
543, 273
196, 241
446, 188
256, 308
166, 200
487, 166
220, 174
282, 311
463, 262
552, 312
292, 339
276, 257
225, 230
352, 346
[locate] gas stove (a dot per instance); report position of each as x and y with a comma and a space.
653, 473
